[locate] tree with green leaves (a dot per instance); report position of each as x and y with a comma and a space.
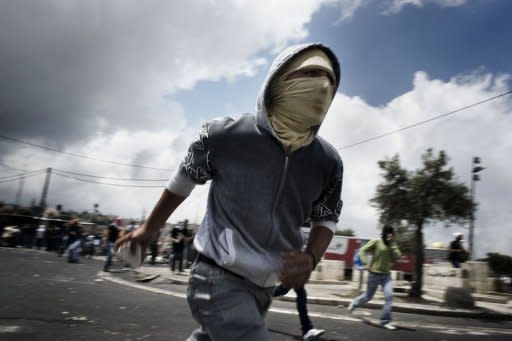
420, 197
500, 264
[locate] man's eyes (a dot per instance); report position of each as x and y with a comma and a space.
310, 74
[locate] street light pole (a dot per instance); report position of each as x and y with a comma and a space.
44, 194
475, 168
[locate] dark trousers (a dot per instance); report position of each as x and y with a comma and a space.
302, 305
153, 247
455, 263
177, 256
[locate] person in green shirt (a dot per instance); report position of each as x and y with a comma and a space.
384, 252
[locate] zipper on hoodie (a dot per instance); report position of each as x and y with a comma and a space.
282, 180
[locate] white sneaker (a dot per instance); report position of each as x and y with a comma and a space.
389, 326
351, 307
312, 334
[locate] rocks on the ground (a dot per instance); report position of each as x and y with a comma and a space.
459, 298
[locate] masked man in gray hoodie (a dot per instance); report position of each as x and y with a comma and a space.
269, 173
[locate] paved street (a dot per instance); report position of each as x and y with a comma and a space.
45, 298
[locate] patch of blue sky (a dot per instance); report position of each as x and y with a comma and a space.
210, 99
380, 53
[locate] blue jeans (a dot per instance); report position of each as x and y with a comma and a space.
110, 254
74, 251
374, 279
63, 245
301, 301
226, 306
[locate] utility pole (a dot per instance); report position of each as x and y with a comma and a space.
20, 187
20, 191
44, 194
475, 169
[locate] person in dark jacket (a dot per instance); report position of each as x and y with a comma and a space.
456, 252
180, 235
113, 232
269, 173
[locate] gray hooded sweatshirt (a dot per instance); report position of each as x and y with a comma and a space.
260, 196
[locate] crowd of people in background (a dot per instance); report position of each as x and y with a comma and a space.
53, 237
174, 247
74, 240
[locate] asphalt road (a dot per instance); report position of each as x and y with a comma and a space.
42, 297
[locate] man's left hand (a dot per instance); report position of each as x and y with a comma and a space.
296, 267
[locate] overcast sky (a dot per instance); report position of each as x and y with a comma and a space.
121, 88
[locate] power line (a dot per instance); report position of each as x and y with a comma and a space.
103, 183
106, 177
78, 155
340, 148
425, 121
22, 174
13, 168
20, 177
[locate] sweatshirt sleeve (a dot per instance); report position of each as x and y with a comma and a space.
368, 247
180, 184
328, 206
197, 166
395, 251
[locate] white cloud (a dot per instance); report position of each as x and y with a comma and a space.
395, 6
480, 131
115, 62
348, 8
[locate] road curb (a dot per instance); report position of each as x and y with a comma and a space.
402, 308
480, 313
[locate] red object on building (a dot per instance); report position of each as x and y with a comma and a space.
404, 264
344, 248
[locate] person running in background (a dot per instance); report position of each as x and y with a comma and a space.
113, 232
456, 252
74, 240
384, 253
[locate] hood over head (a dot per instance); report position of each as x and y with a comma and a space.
298, 57
387, 229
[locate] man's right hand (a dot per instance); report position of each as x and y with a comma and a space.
148, 231
296, 267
